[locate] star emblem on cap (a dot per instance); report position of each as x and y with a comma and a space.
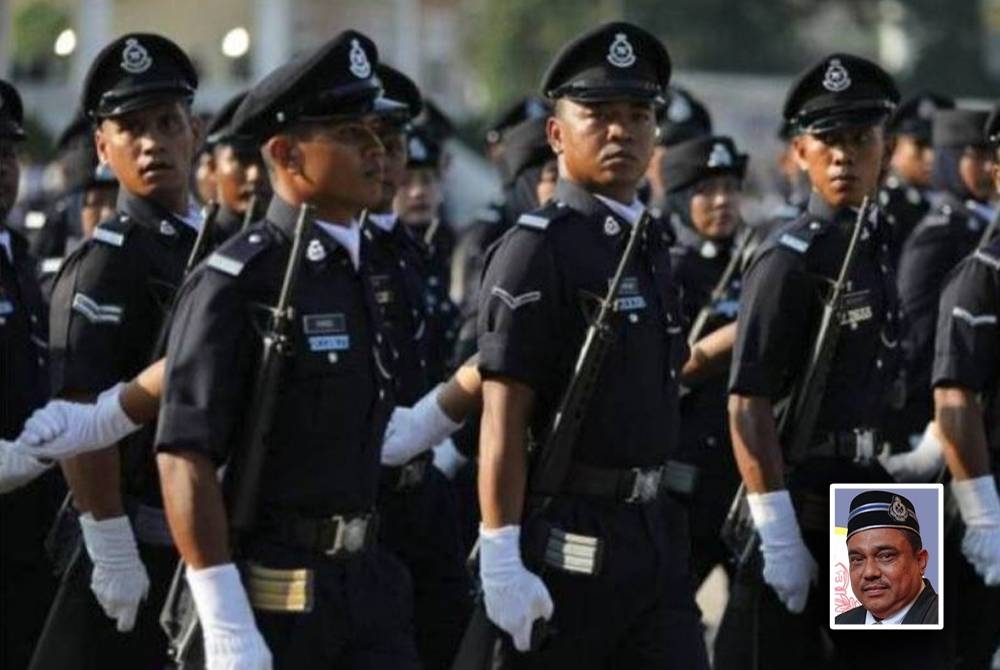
897, 510
720, 156
926, 108
836, 78
620, 53
361, 67
679, 110
135, 57
417, 149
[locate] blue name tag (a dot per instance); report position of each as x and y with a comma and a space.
630, 304
330, 343
6, 307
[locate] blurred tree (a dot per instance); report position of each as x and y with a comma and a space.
36, 27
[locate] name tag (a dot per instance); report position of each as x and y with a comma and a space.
323, 324
856, 309
629, 299
330, 343
6, 307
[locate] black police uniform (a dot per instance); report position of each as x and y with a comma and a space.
967, 355
109, 304
333, 404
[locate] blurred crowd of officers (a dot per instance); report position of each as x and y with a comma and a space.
424, 366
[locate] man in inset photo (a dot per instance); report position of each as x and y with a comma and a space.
887, 563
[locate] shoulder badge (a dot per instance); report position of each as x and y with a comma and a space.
113, 231
234, 256
541, 218
799, 236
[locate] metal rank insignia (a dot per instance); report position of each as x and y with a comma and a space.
720, 156
620, 53
836, 78
897, 510
135, 57
360, 65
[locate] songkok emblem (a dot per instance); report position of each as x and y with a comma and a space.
417, 150
720, 156
360, 66
679, 110
315, 251
621, 53
897, 510
836, 78
611, 227
135, 58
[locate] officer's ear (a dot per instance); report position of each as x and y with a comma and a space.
890, 148
553, 131
284, 153
800, 149
197, 127
101, 143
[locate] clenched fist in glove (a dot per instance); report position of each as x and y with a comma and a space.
232, 641
414, 430
789, 568
119, 580
979, 505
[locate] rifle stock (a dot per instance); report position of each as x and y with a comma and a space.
718, 291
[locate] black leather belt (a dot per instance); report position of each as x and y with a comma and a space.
631, 485
335, 536
860, 445
408, 476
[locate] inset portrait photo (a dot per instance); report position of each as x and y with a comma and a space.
886, 556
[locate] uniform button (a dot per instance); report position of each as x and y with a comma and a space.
711, 441
423, 363
673, 373
332, 357
41, 362
633, 318
381, 394
878, 363
34, 319
402, 263
378, 337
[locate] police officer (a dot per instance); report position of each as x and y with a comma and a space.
904, 196
323, 593
519, 111
417, 506
25, 574
108, 305
838, 108
966, 378
704, 177
952, 229
683, 118
239, 174
607, 560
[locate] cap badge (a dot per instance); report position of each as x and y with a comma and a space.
897, 510
360, 66
135, 58
417, 149
926, 108
720, 156
611, 227
315, 251
836, 78
621, 53
679, 110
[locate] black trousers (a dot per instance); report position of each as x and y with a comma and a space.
420, 526
639, 611
361, 619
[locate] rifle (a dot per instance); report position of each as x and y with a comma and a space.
64, 541
797, 420
719, 291
550, 467
179, 618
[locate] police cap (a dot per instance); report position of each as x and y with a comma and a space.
422, 149
914, 115
683, 118
614, 61
840, 91
525, 145
137, 70
992, 129
690, 162
959, 128
881, 509
530, 107
11, 112
400, 89
337, 79
219, 129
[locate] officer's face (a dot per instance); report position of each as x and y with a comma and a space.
715, 204
10, 173
419, 197
394, 141
996, 171
604, 146
150, 150
886, 573
239, 176
98, 205
912, 159
843, 165
976, 169
547, 182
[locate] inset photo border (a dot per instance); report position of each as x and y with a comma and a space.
928, 504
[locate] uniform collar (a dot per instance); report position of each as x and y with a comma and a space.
385, 221
898, 616
348, 237
587, 203
147, 213
319, 245
5, 242
228, 219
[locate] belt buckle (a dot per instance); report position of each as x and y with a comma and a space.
350, 536
864, 445
645, 485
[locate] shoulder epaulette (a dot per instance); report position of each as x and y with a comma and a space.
799, 237
113, 231
235, 254
541, 218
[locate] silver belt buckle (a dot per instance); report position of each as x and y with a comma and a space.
864, 445
350, 536
645, 486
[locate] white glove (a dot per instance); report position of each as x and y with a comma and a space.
788, 566
515, 598
63, 429
980, 507
413, 430
232, 641
17, 468
919, 465
448, 459
119, 580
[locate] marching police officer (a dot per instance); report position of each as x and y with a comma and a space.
682, 118
108, 306
904, 196
774, 619
608, 556
25, 573
704, 177
952, 229
239, 173
323, 593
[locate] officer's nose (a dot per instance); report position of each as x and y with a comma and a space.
872, 570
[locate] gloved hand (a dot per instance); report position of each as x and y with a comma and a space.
789, 568
448, 459
413, 430
515, 598
16, 468
119, 580
919, 465
979, 505
63, 429
232, 641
